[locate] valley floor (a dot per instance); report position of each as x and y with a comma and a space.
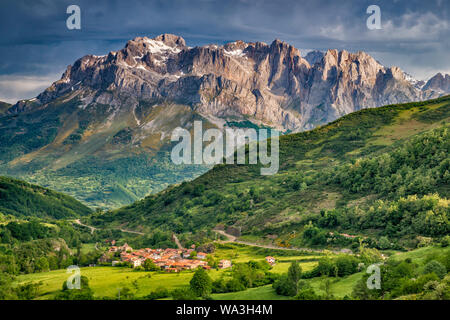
106, 281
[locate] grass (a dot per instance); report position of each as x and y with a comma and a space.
282, 267
340, 287
260, 293
421, 254
87, 247
106, 281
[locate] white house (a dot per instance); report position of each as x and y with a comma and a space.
136, 262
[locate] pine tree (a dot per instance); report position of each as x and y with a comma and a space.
294, 273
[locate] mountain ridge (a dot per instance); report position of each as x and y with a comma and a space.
102, 132
271, 84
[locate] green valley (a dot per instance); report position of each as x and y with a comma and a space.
375, 175
103, 157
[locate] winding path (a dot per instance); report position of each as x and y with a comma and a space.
232, 238
175, 238
77, 221
131, 231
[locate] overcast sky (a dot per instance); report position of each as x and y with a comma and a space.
36, 46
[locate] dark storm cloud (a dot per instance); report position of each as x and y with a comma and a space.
34, 40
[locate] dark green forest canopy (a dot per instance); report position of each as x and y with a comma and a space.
21, 199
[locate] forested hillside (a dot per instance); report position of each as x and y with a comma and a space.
21, 199
376, 174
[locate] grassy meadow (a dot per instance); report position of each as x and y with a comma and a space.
106, 281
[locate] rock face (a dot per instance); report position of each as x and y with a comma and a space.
271, 85
439, 83
314, 56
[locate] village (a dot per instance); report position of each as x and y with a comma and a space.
169, 259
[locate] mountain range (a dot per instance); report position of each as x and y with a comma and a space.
102, 132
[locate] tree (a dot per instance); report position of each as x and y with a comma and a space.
159, 293
384, 243
307, 294
346, 265
326, 287
436, 267
28, 291
201, 283
150, 266
126, 294
6, 287
294, 274
42, 264
326, 267
84, 293
284, 287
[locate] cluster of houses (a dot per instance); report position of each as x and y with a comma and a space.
172, 260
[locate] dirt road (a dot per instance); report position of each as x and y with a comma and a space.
175, 238
77, 221
232, 238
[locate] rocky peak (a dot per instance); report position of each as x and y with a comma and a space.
439, 83
314, 57
272, 84
396, 73
236, 47
171, 40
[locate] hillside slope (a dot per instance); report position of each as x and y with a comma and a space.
21, 199
80, 151
380, 172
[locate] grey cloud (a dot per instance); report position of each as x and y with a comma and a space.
35, 42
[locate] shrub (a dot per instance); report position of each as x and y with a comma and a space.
234, 285
435, 267
159, 293
183, 294
307, 294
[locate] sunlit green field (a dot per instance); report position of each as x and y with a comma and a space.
260, 293
106, 281
340, 287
